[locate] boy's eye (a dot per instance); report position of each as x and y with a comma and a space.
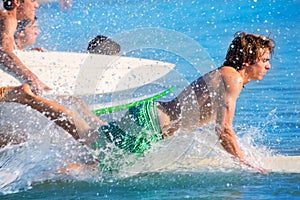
266, 60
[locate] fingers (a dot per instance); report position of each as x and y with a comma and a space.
262, 171
38, 87
259, 170
47, 88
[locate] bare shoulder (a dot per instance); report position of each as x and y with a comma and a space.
231, 77
8, 23
5, 18
228, 71
3, 14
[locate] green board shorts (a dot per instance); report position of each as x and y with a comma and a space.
134, 132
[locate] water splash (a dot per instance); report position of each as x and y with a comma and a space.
47, 149
50, 154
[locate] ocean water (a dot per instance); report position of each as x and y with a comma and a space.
195, 36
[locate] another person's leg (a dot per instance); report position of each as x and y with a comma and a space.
81, 107
62, 116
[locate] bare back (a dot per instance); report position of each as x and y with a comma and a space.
197, 104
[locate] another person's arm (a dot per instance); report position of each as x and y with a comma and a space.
40, 49
13, 63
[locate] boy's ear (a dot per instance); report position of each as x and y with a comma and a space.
245, 65
17, 2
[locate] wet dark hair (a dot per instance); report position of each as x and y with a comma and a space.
8, 4
103, 45
245, 48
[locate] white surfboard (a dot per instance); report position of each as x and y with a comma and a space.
45, 1
85, 74
285, 164
278, 164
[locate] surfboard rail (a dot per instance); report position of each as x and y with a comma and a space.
100, 110
274, 164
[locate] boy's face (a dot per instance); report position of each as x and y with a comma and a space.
31, 33
27, 9
259, 69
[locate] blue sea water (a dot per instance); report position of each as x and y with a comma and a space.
267, 113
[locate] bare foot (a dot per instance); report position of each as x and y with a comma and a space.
18, 94
27, 90
73, 168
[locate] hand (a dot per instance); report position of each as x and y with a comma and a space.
40, 49
262, 171
257, 169
38, 86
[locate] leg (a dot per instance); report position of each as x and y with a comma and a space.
65, 118
167, 126
83, 109
164, 121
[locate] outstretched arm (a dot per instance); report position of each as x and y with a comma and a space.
232, 87
225, 115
